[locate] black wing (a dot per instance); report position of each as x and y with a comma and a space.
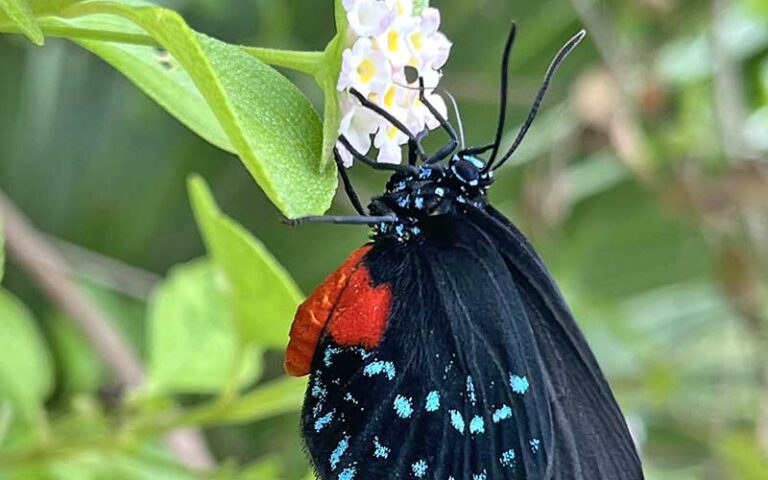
462, 385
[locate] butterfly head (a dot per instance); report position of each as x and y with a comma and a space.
430, 191
469, 173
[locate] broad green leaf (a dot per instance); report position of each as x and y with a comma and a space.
25, 370
270, 399
193, 343
224, 94
154, 71
20, 12
263, 296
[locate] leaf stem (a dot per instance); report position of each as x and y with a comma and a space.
88, 34
306, 62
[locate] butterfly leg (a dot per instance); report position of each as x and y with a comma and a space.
415, 140
447, 149
413, 149
373, 163
342, 219
348, 188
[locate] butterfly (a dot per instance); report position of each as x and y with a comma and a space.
443, 348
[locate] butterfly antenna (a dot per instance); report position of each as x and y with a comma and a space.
503, 95
556, 62
458, 115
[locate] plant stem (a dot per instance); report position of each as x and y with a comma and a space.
306, 62
36, 256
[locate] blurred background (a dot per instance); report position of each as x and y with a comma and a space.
643, 184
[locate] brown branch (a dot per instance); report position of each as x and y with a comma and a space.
50, 271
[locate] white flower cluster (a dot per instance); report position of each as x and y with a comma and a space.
386, 37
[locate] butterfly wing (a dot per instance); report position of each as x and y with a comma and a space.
458, 385
591, 436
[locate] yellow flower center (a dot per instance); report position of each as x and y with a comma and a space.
417, 41
391, 133
393, 41
389, 97
366, 70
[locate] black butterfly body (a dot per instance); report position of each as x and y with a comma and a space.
444, 350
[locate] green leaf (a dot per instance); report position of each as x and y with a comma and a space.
221, 92
263, 296
270, 399
419, 6
25, 370
20, 13
193, 343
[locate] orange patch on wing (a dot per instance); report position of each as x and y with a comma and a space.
313, 315
361, 312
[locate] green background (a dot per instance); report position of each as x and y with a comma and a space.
644, 185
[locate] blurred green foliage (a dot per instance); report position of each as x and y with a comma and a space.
644, 184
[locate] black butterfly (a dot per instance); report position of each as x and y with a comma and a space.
443, 349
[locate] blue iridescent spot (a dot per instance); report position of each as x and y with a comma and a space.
433, 401
323, 421
457, 420
419, 468
403, 201
477, 425
400, 229
480, 476
424, 173
318, 391
471, 390
348, 473
535, 444
419, 203
475, 161
403, 406
379, 367
348, 397
329, 353
439, 191
502, 413
416, 230
519, 384
507, 458
338, 452
379, 450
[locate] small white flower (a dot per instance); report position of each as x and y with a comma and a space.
430, 20
386, 37
404, 8
357, 126
389, 140
419, 116
370, 17
364, 68
393, 42
439, 50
